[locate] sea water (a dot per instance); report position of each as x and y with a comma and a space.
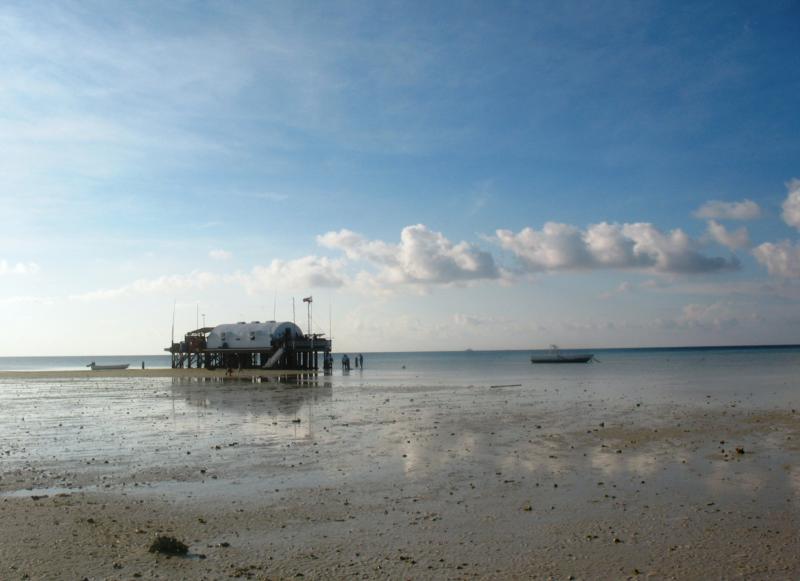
100, 430
760, 374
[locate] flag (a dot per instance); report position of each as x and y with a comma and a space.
308, 300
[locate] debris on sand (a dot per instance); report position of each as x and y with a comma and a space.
168, 546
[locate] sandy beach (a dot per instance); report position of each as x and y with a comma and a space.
307, 480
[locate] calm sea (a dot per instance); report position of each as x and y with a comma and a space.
755, 373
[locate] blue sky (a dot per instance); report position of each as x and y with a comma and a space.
446, 175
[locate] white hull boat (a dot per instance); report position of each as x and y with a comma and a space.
94, 367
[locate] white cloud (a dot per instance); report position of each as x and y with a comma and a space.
356, 247
556, 246
468, 320
302, 273
781, 259
28, 300
784, 289
220, 254
715, 209
627, 246
166, 284
714, 316
422, 257
791, 206
733, 240
20, 268
624, 287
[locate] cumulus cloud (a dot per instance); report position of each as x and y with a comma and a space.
302, 273
781, 259
715, 209
220, 254
732, 239
422, 257
356, 247
791, 206
20, 268
622, 246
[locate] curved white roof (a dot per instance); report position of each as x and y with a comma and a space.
250, 335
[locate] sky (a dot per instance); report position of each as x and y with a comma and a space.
437, 175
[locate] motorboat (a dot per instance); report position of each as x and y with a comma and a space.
556, 356
95, 367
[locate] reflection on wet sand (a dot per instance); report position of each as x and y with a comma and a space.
260, 410
271, 396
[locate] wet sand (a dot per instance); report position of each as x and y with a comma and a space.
320, 481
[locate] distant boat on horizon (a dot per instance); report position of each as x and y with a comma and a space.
556, 356
94, 367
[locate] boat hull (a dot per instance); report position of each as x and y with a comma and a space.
563, 359
109, 367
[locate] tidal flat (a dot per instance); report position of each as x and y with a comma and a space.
334, 477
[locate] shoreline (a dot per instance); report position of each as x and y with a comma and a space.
165, 372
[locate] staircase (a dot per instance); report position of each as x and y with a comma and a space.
274, 358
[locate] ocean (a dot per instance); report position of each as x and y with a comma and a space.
762, 373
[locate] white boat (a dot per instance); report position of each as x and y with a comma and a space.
95, 367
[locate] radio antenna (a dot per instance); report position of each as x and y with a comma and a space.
172, 337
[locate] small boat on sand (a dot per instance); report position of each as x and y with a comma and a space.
556, 356
95, 367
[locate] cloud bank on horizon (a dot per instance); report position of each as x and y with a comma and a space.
442, 175
426, 258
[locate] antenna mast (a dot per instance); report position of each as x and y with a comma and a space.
309, 300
